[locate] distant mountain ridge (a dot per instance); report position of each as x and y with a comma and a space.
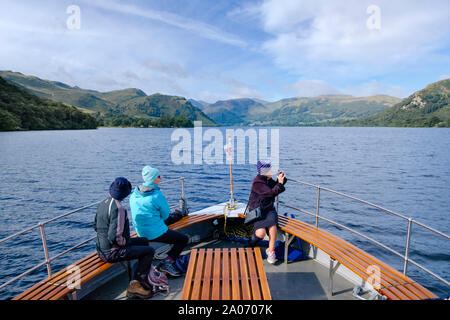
130, 102
427, 107
297, 111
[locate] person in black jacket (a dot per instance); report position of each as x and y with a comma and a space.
114, 243
263, 193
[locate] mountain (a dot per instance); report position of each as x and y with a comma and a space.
157, 105
429, 107
234, 111
132, 103
198, 103
297, 111
22, 110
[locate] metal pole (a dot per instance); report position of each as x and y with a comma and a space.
182, 202
182, 188
44, 244
408, 236
317, 207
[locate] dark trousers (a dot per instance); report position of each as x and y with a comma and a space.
178, 239
136, 248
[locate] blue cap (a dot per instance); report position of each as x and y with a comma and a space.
120, 188
149, 174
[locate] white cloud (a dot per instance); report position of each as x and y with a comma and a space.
311, 88
331, 37
172, 68
196, 27
374, 87
314, 88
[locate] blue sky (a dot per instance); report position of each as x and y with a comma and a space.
216, 50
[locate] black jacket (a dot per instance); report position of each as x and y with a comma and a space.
263, 193
107, 224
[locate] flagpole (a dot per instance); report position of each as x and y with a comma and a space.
229, 151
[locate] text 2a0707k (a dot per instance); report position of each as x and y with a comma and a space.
247, 309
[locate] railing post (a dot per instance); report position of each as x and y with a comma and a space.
182, 188
408, 236
44, 244
183, 197
317, 207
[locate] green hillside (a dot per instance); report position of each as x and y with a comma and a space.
21, 110
234, 111
127, 103
297, 111
158, 105
429, 107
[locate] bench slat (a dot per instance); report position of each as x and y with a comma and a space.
254, 280
262, 275
235, 288
215, 294
226, 267
187, 287
245, 288
198, 275
207, 275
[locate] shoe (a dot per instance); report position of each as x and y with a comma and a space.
136, 290
168, 267
271, 257
157, 279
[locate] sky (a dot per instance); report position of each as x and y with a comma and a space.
225, 49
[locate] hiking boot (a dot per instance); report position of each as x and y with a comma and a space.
271, 257
168, 267
136, 290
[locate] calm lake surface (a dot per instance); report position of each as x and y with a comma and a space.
47, 173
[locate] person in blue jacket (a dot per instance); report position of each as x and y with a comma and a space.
149, 210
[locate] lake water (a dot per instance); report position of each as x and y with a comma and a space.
47, 173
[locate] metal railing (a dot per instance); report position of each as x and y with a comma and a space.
410, 221
47, 259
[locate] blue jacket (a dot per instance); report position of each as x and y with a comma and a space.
149, 209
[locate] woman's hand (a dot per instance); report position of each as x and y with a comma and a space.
281, 177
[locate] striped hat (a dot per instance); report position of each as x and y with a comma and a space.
264, 168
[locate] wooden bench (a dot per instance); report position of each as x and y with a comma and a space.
62, 282
393, 284
226, 274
